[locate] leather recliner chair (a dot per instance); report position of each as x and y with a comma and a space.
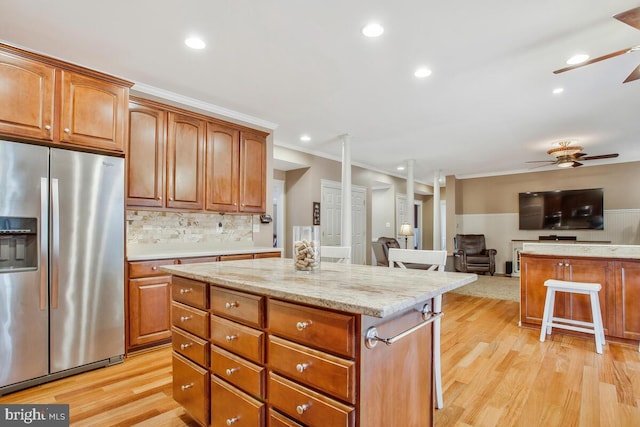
472, 255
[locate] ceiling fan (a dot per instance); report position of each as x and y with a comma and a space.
567, 155
630, 17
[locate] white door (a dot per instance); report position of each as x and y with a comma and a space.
331, 217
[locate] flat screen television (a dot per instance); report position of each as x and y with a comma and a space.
562, 210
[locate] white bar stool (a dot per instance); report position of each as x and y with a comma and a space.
548, 321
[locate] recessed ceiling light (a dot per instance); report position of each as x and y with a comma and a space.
195, 43
305, 138
422, 72
558, 90
577, 59
373, 30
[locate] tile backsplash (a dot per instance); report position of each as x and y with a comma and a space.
162, 227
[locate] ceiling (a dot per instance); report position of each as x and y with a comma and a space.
303, 67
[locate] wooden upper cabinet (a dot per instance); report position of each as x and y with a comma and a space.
53, 101
185, 162
93, 112
222, 162
253, 169
146, 156
26, 97
235, 170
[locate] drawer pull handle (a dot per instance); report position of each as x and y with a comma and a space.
428, 317
231, 421
185, 318
301, 367
186, 291
186, 386
230, 371
301, 409
301, 326
230, 338
231, 304
186, 346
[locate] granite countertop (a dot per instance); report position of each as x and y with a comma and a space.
139, 252
361, 289
579, 250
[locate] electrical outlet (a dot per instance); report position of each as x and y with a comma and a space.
219, 228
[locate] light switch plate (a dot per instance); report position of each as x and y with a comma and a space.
256, 228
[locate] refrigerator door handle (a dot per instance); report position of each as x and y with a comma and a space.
55, 241
44, 234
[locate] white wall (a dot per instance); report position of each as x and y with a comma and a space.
621, 227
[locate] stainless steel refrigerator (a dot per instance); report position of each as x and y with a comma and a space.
61, 263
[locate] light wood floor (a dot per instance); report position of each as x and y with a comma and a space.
494, 374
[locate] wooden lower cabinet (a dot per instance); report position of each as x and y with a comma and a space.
280, 363
149, 294
620, 281
191, 388
149, 310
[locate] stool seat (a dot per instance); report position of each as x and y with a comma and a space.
549, 322
575, 287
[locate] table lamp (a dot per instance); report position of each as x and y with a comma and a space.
406, 230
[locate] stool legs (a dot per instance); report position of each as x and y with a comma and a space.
547, 315
437, 372
597, 321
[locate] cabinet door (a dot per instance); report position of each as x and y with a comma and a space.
149, 310
145, 158
577, 306
93, 112
627, 290
534, 272
222, 157
185, 152
252, 173
26, 91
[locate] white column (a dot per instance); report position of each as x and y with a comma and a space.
410, 198
437, 223
345, 235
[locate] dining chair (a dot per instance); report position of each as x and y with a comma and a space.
341, 254
436, 260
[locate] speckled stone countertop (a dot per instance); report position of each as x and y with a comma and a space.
149, 252
580, 250
362, 289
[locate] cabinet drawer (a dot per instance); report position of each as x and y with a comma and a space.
197, 260
240, 372
190, 346
231, 407
190, 319
260, 255
316, 369
191, 292
240, 306
333, 332
239, 339
149, 268
306, 406
191, 388
276, 419
235, 257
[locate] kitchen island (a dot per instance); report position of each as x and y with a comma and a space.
256, 343
615, 267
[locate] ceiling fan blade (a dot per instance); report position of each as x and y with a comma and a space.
578, 155
635, 75
630, 17
602, 156
594, 60
541, 161
576, 164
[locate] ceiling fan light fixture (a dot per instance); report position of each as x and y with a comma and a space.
565, 164
577, 59
565, 149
